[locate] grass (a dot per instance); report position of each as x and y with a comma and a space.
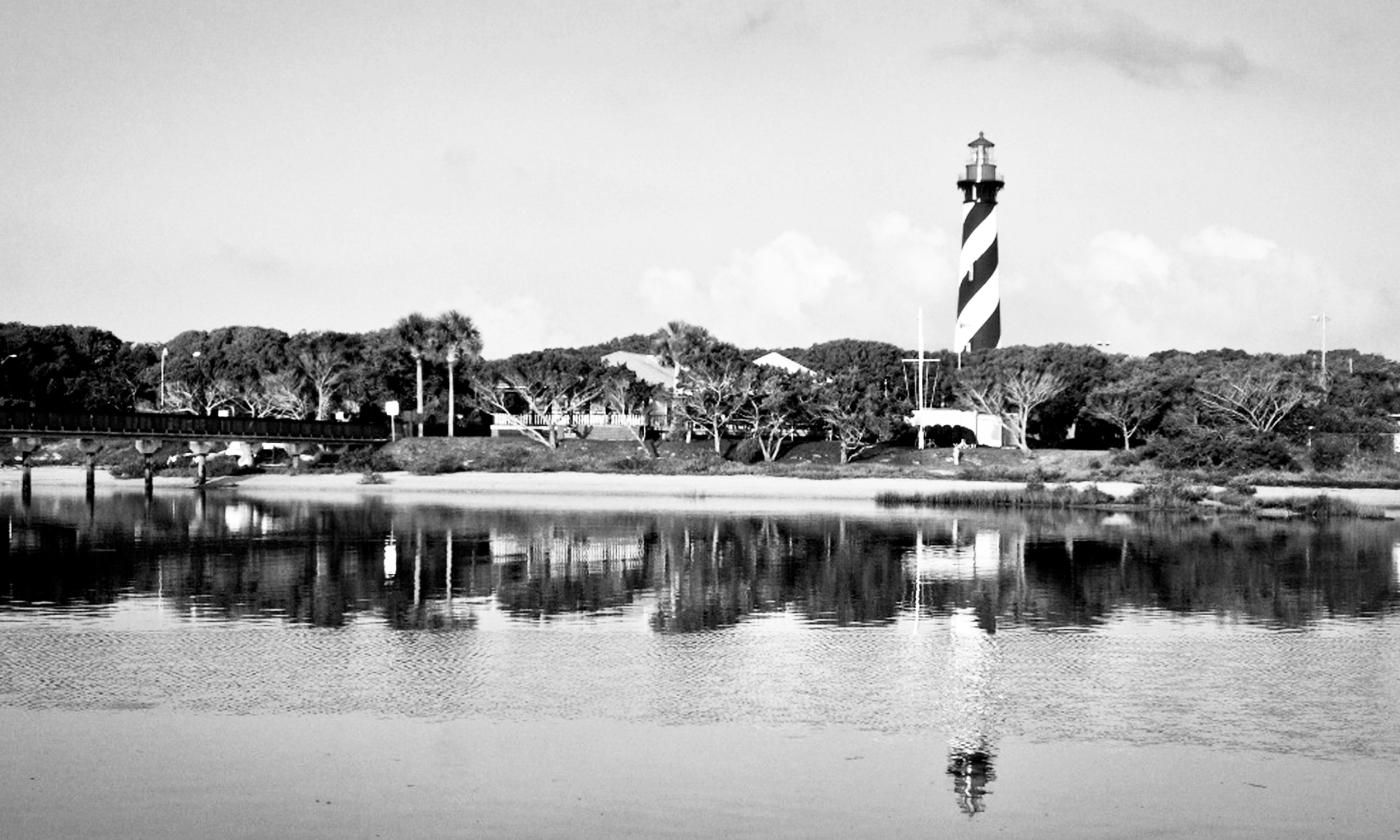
1062, 497
1324, 507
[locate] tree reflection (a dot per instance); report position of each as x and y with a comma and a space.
437, 567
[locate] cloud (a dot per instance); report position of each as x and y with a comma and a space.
1228, 244
1218, 288
796, 291
1122, 258
515, 325
1117, 38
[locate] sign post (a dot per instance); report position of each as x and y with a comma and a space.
391, 408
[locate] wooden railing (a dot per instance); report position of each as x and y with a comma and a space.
23, 421
545, 421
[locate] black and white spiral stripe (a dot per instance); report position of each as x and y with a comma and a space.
979, 294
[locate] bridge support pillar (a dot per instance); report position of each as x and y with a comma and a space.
294, 451
246, 451
201, 449
148, 447
90, 447
26, 446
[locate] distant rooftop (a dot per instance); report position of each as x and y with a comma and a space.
646, 366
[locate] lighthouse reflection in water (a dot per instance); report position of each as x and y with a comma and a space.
947, 557
944, 640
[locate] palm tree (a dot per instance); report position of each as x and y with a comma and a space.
678, 342
456, 337
416, 333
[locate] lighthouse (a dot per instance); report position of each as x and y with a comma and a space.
979, 294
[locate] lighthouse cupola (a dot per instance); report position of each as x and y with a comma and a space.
980, 181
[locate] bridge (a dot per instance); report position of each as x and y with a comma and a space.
148, 430
24, 422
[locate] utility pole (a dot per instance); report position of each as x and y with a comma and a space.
921, 380
1322, 372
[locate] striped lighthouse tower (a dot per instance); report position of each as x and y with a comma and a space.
979, 294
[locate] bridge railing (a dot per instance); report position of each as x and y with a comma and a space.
23, 421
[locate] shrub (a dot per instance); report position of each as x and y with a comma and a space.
747, 451
1330, 453
1168, 494
434, 463
1239, 485
366, 459
130, 469
502, 459
1128, 457
1233, 449
215, 466
632, 463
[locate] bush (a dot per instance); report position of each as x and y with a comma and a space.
1167, 495
1330, 453
1128, 457
365, 460
1239, 485
1232, 449
747, 451
502, 459
434, 463
215, 466
632, 463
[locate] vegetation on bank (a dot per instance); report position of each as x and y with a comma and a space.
809, 459
1050, 479
1071, 413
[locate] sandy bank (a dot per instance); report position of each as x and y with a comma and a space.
614, 490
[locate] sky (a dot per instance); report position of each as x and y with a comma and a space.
1179, 174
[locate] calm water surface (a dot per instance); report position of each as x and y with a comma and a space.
236, 667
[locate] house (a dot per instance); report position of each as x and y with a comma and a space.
986, 428
597, 419
778, 360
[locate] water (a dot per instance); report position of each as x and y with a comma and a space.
233, 666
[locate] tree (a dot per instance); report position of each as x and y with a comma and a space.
544, 389
1010, 393
625, 394
281, 395
777, 408
710, 394
859, 412
1080, 369
201, 398
415, 334
66, 368
678, 344
1129, 400
1256, 394
456, 338
327, 360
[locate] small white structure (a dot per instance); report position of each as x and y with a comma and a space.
986, 428
647, 367
778, 360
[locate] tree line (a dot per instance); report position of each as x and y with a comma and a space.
1186, 409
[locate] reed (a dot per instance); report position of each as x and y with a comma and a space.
1062, 497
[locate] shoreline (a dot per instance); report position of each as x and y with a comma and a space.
610, 489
